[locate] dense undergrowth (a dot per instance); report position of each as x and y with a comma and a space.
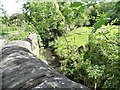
90, 59
97, 64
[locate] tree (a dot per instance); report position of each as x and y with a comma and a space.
47, 19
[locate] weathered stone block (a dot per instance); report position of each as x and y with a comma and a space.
20, 69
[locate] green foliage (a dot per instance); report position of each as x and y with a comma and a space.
14, 32
74, 13
97, 66
107, 54
46, 18
52, 19
112, 14
72, 41
90, 59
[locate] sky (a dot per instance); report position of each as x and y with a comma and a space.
12, 6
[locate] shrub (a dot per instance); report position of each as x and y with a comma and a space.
97, 66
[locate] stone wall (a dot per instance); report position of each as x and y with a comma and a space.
20, 68
33, 40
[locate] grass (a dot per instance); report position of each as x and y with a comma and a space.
76, 37
72, 40
14, 32
80, 36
